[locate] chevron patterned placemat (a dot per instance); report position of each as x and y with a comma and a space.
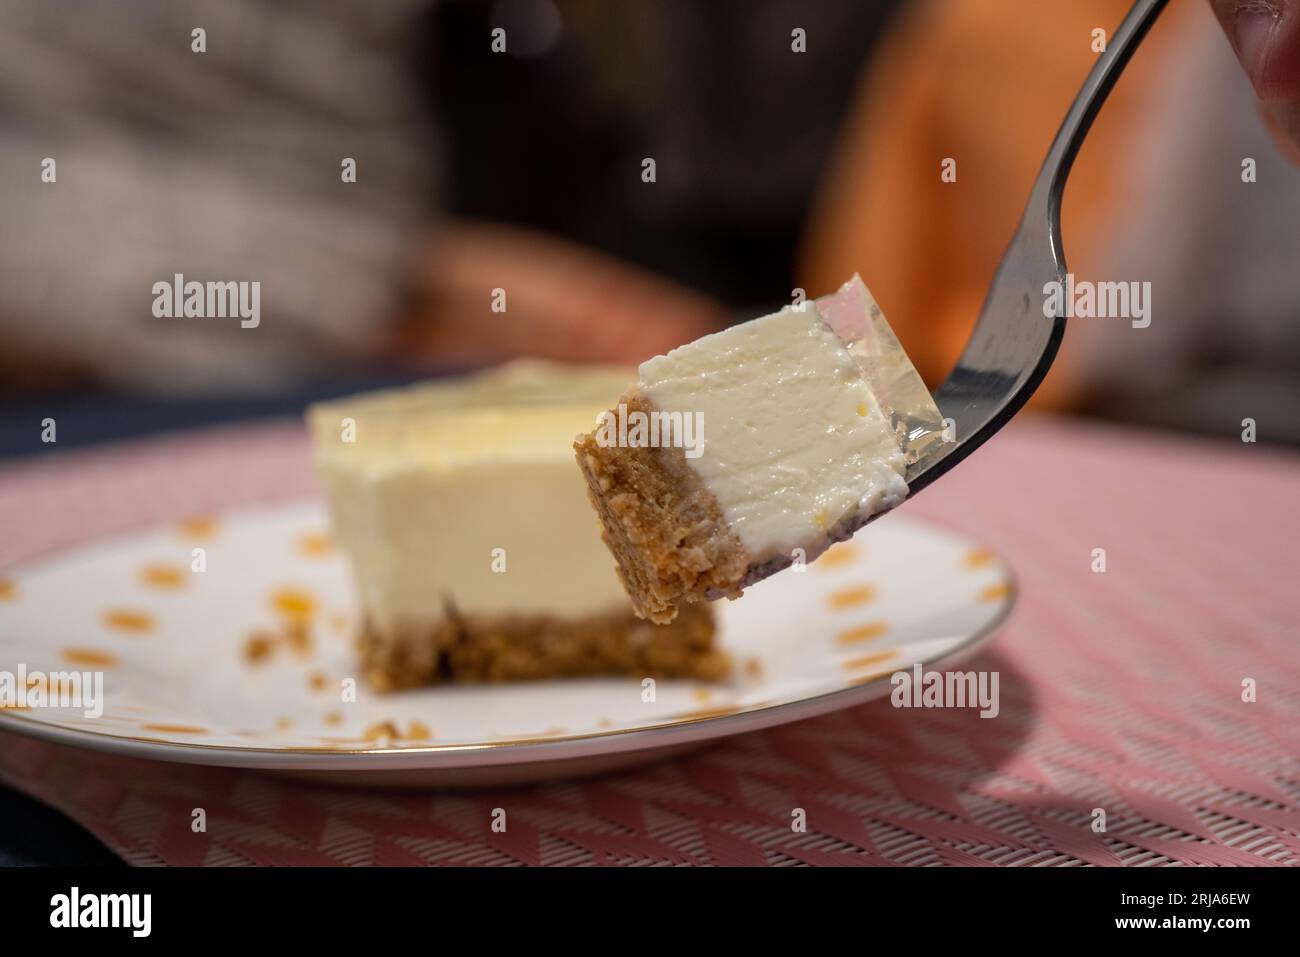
1121, 690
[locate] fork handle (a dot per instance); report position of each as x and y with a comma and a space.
1013, 343
1045, 199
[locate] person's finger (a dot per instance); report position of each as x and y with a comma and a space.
1265, 34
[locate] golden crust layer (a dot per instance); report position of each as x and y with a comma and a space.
664, 527
521, 647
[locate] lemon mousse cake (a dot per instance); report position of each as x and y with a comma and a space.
756, 447
475, 552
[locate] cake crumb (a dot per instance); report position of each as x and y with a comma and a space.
198, 527
294, 604
385, 730
315, 544
297, 636
258, 647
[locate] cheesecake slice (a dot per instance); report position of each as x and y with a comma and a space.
474, 550
744, 451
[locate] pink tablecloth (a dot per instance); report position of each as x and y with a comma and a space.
1120, 691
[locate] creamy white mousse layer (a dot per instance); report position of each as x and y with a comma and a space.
795, 442
465, 491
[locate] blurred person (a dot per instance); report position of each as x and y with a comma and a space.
476, 171
1158, 194
225, 164
221, 165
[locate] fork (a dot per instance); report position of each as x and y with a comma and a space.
1014, 342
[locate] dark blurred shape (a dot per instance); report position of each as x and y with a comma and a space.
533, 26
38, 836
739, 125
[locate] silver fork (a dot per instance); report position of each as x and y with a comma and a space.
1014, 343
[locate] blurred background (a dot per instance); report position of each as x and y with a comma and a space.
794, 144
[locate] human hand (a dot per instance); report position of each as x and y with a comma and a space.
1266, 37
559, 301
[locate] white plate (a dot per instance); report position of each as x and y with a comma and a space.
173, 644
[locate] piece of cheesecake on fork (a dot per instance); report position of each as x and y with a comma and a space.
805, 422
